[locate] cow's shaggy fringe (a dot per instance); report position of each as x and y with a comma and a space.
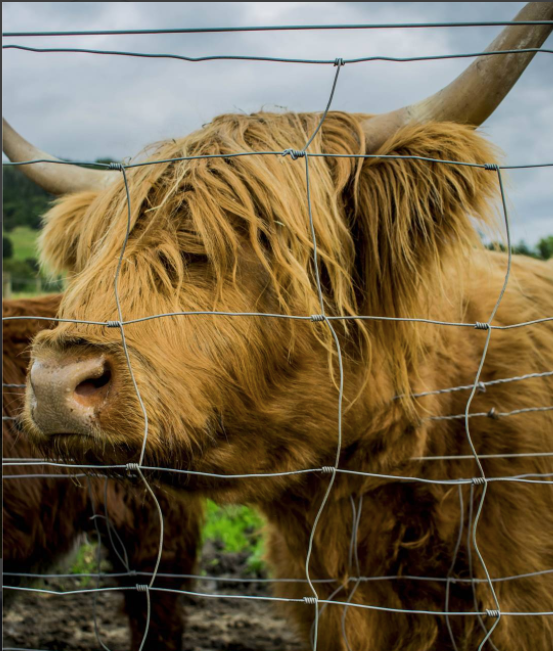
383, 227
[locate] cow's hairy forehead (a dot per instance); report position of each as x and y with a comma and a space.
212, 207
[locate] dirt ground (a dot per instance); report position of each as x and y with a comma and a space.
65, 622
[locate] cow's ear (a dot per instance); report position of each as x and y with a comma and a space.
63, 225
413, 216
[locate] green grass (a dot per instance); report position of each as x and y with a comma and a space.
85, 562
24, 242
238, 529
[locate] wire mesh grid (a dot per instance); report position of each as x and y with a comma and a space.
330, 472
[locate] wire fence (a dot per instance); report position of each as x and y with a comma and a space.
327, 473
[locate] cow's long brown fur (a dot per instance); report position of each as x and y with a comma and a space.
43, 518
395, 238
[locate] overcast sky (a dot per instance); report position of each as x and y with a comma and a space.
84, 106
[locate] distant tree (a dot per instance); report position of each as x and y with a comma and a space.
545, 247
523, 249
7, 248
32, 263
495, 246
19, 269
23, 201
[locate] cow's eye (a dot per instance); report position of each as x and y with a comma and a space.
194, 259
192, 249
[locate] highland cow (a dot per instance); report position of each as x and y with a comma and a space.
44, 517
252, 394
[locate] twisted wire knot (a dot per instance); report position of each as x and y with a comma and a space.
132, 573
482, 326
479, 481
114, 324
491, 166
328, 470
142, 588
310, 600
493, 414
132, 468
116, 166
493, 613
317, 317
481, 387
339, 62
294, 153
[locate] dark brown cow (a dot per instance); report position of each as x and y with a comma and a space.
45, 517
249, 394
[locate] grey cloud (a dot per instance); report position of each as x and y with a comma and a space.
85, 106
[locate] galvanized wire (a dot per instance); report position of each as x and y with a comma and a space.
267, 475
98, 560
305, 600
266, 59
481, 386
275, 28
280, 316
161, 161
258, 580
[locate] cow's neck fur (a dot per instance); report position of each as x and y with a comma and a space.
410, 528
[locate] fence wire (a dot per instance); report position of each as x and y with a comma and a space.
276, 28
475, 505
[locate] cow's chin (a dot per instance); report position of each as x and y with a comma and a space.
93, 448
78, 450
99, 453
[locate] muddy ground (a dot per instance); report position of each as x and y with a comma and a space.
65, 622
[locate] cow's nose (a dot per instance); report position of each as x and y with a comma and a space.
67, 398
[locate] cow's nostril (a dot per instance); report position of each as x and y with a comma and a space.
93, 390
70, 394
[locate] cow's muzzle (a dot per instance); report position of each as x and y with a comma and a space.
68, 396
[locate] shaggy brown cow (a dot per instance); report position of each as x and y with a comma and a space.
44, 517
251, 394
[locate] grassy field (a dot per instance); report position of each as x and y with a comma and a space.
237, 529
26, 281
24, 242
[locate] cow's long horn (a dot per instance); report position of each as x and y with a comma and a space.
475, 94
57, 179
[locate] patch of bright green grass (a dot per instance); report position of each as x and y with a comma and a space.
238, 529
85, 562
24, 240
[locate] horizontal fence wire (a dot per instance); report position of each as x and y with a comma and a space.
264, 59
305, 600
285, 152
229, 579
276, 28
113, 324
137, 469
328, 470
